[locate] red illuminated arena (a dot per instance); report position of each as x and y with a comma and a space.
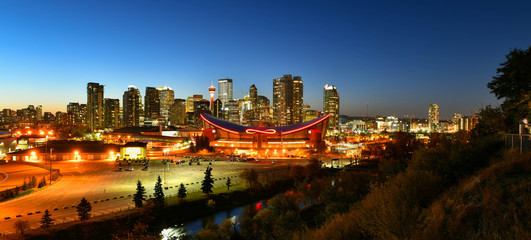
266, 141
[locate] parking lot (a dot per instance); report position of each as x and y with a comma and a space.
109, 189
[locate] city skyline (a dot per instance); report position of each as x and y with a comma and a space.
397, 57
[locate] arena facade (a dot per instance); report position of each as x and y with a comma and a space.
293, 140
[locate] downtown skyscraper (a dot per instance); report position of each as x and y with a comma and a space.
167, 96
112, 112
331, 105
94, 106
287, 100
225, 91
132, 107
151, 103
433, 116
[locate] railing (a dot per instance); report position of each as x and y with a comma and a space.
522, 142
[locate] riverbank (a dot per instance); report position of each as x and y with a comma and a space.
154, 220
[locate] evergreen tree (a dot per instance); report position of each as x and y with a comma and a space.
83, 210
182, 192
33, 182
140, 195
24, 185
228, 183
208, 183
46, 220
159, 194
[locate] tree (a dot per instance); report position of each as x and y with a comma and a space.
513, 84
182, 192
159, 194
250, 176
83, 210
140, 195
208, 183
22, 226
46, 220
228, 183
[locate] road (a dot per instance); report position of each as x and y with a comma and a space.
108, 189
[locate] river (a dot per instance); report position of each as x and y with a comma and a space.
194, 226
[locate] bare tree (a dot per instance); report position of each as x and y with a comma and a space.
22, 226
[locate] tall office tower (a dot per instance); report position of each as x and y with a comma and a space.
287, 100
212, 90
151, 103
94, 106
167, 96
264, 109
112, 112
190, 102
253, 97
225, 91
73, 109
132, 107
38, 113
433, 116
298, 115
178, 112
232, 112
217, 110
331, 105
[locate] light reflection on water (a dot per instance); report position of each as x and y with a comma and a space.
194, 226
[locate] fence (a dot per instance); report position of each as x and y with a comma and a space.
522, 142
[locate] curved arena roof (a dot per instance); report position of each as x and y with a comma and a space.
238, 129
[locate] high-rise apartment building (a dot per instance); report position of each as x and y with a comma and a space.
331, 105
225, 91
94, 106
287, 100
151, 103
178, 112
73, 109
112, 112
38, 113
433, 116
83, 113
167, 96
132, 107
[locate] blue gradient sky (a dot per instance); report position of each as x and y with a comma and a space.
398, 57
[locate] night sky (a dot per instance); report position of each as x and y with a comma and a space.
398, 56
